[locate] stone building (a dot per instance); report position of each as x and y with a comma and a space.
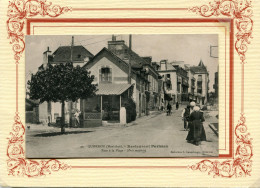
201, 76
175, 82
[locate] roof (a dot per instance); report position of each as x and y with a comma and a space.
118, 60
201, 64
63, 54
201, 68
112, 89
198, 69
136, 60
170, 68
108, 52
32, 102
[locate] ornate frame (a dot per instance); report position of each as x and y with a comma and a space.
238, 10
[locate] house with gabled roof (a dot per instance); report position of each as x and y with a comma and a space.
147, 92
116, 83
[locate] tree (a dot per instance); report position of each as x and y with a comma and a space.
60, 83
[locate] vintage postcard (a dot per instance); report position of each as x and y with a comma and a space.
129, 94
123, 96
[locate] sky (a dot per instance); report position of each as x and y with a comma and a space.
190, 48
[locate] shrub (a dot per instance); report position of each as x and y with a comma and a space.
130, 107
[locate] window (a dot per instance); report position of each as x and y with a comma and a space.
105, 74
199, 78
199, 84
199, 91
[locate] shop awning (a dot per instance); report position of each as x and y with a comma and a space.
112, 89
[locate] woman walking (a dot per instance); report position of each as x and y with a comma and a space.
197, 131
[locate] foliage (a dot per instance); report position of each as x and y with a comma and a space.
130, 107
62, 82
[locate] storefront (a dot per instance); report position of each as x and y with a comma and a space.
105, 106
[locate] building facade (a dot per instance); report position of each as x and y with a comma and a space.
201, 77
175, 82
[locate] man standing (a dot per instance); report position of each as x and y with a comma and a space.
76, 115
185, 116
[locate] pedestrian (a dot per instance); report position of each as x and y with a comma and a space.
169, 108
177, 105
197, 132
192, 105
185, 116
76, 115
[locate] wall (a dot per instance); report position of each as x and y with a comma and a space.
43, 112
118, 75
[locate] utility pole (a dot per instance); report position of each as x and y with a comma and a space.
130, 51
71, 48
70, 102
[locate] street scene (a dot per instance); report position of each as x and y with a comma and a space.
164, 137
121, 96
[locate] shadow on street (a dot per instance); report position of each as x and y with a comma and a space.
59, 133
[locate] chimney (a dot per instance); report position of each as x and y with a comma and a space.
45, 57
116, 45
113, 38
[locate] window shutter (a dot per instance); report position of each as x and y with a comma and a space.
100, 75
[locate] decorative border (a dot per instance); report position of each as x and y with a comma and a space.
241, 12
18, 12
238, 10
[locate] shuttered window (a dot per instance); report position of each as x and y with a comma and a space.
105, 74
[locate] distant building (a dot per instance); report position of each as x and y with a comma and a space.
201, 76
175, 82
192, 84
153, 88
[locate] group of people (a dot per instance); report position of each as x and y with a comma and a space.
193, 122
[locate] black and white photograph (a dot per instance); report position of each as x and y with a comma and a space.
121, 96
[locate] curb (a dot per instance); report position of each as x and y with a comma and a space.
213, 128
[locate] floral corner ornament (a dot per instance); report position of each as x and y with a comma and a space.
241, 164
20, 10
17, 13
18, 165
239, 10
